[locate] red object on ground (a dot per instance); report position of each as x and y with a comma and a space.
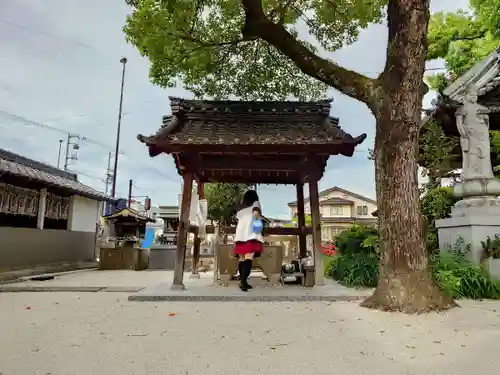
171, 314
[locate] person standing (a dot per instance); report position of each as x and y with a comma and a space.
249, 240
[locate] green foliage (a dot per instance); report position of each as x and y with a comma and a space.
460, 278
491, 248
357, 240
463, 38
223, 200
354, 269
294, 222
438, 151
437, 203
356, 259
200, 43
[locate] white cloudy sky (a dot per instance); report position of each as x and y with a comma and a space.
59, 66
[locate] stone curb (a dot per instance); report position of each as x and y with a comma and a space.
90, 289
242, 298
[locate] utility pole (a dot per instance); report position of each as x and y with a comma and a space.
123, 61
74, 154
109, 174
129, 193
59, 153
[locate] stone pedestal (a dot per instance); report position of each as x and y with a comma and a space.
474, 219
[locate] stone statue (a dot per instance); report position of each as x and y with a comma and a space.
473, 125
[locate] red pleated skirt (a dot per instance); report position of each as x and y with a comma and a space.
248, 247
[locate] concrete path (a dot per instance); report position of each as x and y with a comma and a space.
156, 286
103, 333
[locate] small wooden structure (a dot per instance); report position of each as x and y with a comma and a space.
484, 79
251, 142
122, 249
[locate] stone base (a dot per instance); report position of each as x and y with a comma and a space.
477, 206
178, 287
477, 187
275, 279
494, 268
472, 228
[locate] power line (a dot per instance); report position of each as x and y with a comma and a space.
44, 33
29, 122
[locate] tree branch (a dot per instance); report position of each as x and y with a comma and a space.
350, 83
203, 43
456, 38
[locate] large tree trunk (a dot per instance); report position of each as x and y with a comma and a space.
405, 283
395, 99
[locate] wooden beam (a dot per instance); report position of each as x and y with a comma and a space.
197, 241
316, 226
279, 231
251, 164
183, 232
301, 219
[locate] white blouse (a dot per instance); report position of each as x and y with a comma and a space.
244, 230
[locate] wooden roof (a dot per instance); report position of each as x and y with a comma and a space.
29, 169
485, 77
129, 213
250, 141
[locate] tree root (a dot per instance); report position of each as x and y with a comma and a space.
409, 293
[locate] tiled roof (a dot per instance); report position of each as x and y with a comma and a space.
21, 166
336, 188
196, 122
336, 201
130, 212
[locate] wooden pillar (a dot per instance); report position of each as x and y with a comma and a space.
42, 201
183, 231
301, 220
197, 241
316, 231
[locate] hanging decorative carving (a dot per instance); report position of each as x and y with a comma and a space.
56, 207
16, 200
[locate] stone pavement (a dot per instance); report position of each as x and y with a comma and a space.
155, 286
203, 290
104, 333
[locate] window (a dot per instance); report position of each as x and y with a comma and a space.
324, 233
335, 232
362, 210
336, 210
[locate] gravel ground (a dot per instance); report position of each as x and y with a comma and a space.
103, 333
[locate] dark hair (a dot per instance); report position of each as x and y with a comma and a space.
250, 197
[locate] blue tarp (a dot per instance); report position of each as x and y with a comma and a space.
149, 237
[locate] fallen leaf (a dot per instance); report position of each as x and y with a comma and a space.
437, 342
27, 307
171, 314
410, 346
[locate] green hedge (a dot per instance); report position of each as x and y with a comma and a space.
357, 270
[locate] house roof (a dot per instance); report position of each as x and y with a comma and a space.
17, 165
336, 201
129, 212
336, 188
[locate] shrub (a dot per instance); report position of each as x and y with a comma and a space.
354, 240
355, 269
460, 278
491, 248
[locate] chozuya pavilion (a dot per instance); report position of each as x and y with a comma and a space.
268, 142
